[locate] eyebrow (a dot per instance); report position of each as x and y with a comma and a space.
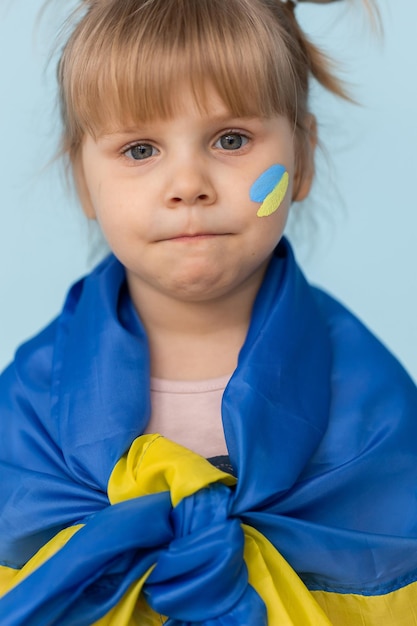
227, 120
120, 132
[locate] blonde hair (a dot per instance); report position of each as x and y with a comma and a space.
125, 59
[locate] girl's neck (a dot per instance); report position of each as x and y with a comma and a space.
194, 340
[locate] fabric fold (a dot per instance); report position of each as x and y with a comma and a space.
319, 419
190, 559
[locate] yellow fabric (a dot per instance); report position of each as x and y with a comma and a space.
10, 577
288, 601
7, 574
132, 610
398, 608
166, 466
154, 464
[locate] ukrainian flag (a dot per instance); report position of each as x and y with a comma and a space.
100, 525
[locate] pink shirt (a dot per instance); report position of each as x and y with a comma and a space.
189, 413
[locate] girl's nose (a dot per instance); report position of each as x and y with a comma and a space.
189, 184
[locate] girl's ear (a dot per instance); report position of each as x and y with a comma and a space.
82, 189
305, 169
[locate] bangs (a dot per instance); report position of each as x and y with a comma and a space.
129, 61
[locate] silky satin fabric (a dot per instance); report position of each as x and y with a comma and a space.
205, 569
320, 423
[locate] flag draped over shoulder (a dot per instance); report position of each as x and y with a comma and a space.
99, 524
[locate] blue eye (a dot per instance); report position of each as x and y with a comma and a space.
140, 151
231, 141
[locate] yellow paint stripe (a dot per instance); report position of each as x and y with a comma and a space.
274, 199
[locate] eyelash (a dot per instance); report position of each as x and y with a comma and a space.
137, 144
232, 132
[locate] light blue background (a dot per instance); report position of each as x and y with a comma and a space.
362, 248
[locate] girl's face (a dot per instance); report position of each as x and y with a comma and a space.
173, 198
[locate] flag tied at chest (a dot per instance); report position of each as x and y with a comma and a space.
100, 523
180, 547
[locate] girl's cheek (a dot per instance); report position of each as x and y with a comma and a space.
270, 189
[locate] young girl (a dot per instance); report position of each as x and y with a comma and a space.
280, 486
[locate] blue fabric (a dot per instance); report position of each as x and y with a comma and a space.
321, 426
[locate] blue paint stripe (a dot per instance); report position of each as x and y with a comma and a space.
266, 183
